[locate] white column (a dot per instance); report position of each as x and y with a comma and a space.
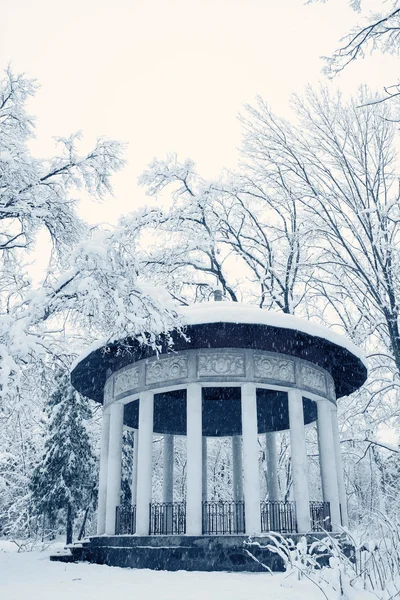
299, 460
327, 461
204, 469
102, 497
168, 468
251, 482
272, 466
134, 466
194, 460
143, 499
114, 465
237, 468
339, 467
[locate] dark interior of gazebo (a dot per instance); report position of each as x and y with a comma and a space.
221, 412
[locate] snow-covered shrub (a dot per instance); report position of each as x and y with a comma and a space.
342, 566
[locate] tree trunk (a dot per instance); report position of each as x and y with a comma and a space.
82, 529
50, 525
394, 334
69, 524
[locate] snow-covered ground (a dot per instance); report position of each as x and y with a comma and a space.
31, 576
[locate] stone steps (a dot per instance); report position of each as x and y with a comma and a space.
172, 553
177, 552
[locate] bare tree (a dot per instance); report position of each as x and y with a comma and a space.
379, 31
340, 163
92, 284
188, 256
309, 225
235, 232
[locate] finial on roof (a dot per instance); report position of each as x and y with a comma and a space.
217, 295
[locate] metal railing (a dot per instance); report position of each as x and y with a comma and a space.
222, 518
167, 518
320, 513
125, 522
278, 516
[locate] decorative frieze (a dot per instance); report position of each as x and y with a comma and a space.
126, 380
108, 392
271, 367
165, 369
205, 364
331, 387
313, 378
212, 364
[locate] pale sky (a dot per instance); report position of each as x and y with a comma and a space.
170, 76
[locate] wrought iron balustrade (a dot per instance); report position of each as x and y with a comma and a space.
167, 518
320, 513
222, 518
278, 516
125, 522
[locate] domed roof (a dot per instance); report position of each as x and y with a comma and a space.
235, 312
233, 325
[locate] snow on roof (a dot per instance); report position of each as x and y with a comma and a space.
96, 345
234, 312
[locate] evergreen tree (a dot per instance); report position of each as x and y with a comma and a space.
65, 477
127, 466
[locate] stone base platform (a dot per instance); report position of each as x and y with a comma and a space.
175, 553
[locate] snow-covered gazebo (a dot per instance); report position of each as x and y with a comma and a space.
239, 371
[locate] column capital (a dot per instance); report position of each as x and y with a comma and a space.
249, 387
